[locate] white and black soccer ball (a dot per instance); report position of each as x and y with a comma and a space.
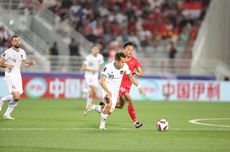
162, 125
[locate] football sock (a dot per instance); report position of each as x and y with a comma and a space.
103, 119
7, 98
132, 113
89, 100
97, 108
10, 108
4, 99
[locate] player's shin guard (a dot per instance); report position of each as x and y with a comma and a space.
132, 113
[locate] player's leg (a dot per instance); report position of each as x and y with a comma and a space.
90, 95
8, 97
93, 107
5, 99
15, 87
13, 103
105, 112
131, 110
121, 102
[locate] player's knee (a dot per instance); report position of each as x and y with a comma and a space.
129, 102
16, 97
111, 111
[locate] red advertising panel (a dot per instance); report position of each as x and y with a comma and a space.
51, 87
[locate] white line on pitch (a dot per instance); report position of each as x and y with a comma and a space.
196, 121
110, 129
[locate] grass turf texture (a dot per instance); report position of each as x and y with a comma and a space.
58, 126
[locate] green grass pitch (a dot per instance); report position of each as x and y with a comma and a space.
58, 126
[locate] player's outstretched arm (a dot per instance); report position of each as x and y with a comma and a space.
139, 72
28, 63
3, 64
134, 81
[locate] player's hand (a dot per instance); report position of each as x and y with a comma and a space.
141, 91
9, 67
32, 62
94, 70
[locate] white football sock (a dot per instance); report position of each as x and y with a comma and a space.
97, 108
103, 120
10, 108
89, 101
4, 99
7, 98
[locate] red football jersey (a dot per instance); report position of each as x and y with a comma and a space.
133, 64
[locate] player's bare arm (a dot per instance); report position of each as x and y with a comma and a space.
28, 63
139, 72
104, 86
3, 64
134, 81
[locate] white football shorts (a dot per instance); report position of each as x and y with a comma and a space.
91, 81
114, 97
14, 84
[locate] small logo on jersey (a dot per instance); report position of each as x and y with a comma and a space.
111, 76
14, 59
121, 72
22, 56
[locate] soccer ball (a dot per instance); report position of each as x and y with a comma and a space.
162, 125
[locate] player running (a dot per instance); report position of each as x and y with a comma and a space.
92, 65
135, 68
12, 59
110, 82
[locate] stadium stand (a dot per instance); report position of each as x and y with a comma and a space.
155, 26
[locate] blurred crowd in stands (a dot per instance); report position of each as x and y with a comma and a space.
4, 39
144, 22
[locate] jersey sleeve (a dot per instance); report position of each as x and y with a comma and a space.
5, 55
126, 69
137, 64
23, 55
105, 71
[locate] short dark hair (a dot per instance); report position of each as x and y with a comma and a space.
14, 36
128, 43
119, 55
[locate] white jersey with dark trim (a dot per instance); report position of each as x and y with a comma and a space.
114, 75
15, 58
93, 62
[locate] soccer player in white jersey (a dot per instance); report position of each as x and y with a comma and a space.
110, 82
92, 65
12, 59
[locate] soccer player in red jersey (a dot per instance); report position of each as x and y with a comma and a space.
135, 68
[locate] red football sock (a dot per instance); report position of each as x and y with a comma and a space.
132, 113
